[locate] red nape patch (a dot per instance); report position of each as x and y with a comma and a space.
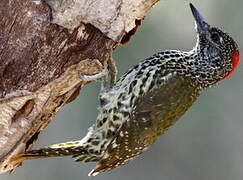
235, 62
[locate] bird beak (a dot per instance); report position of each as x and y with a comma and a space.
199, 19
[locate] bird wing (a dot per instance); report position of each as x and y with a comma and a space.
152, 115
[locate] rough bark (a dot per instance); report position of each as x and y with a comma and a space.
43, 45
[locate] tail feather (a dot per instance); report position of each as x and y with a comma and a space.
57, 150
53, 152
87, 149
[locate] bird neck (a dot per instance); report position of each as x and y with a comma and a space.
192, 65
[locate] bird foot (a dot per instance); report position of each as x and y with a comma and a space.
94, 77
103, 75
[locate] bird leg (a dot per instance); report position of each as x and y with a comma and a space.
112, 70
103, 75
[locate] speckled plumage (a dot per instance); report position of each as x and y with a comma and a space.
148, 99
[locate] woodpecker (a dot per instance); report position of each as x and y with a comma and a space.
148, 99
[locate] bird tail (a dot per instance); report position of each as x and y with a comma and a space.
71, 148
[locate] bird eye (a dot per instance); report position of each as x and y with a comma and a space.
215, 37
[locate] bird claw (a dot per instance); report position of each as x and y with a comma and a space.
94, 77
103, 76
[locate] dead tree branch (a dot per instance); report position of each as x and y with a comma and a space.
43, 44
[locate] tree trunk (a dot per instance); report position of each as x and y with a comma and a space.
43, 45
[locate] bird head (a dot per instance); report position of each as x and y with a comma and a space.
217, 52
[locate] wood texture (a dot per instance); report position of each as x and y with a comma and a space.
43, 45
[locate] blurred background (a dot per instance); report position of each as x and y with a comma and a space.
205, 144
